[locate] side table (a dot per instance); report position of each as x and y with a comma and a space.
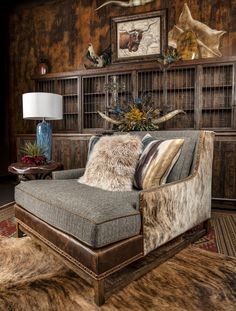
31, 171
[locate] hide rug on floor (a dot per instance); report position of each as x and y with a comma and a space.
33, 279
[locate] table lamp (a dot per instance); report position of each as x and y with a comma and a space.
43, 106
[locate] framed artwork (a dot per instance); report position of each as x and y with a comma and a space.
139, 37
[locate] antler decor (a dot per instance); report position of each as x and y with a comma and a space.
138, 116
131, 3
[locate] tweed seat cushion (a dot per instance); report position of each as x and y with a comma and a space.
94, 216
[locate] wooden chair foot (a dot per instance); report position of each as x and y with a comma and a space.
99, 292
207, 225
19, 232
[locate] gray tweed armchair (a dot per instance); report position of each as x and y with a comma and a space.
98, 232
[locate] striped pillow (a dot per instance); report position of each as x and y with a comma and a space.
92, 142
156, 161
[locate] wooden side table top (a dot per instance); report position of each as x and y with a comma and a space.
32, 171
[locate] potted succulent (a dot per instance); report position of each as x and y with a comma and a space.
33, 154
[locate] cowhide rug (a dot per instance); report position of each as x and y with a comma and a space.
33, 279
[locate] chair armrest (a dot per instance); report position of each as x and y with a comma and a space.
68, 174
174, 208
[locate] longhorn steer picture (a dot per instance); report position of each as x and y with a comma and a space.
131, 39
140, 36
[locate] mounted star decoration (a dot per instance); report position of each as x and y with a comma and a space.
131, 3
208, 39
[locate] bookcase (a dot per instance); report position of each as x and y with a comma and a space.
218, 96
204, 89
171, 89
68, 87
96, 98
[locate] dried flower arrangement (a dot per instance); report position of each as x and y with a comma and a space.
138, 115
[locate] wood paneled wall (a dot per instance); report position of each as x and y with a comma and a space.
69, 149
61, 30
224, 166
4, 142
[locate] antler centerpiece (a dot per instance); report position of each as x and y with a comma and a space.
138, 115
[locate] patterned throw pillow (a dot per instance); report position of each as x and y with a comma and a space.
92, 142
157, 160
111, 164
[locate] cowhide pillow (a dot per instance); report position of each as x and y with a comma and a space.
156, 161
111, 164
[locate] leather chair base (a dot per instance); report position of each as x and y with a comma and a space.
98, 263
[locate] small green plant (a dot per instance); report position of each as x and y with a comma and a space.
32, 149
33, 153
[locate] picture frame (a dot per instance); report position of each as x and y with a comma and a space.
139, 37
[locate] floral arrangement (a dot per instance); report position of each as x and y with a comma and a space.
33, 154
137, 115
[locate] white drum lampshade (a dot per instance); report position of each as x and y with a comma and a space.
39, 106
43, 106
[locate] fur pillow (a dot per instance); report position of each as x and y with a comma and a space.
111, 164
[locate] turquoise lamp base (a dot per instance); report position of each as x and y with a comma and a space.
44, 138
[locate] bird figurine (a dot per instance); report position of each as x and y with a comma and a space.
98, 61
